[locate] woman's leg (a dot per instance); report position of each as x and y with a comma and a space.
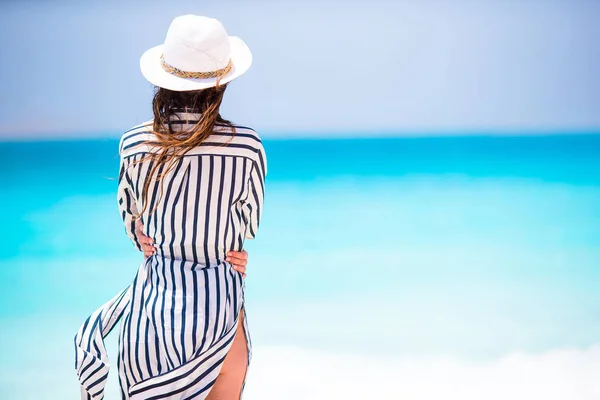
231, 378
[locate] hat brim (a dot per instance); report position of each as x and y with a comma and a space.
150, 64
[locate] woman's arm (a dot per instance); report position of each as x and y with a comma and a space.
127, 205
253, 204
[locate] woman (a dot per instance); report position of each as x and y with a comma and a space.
192, 185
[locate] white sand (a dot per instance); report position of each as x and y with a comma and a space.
292, 373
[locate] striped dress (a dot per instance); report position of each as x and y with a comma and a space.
180, 314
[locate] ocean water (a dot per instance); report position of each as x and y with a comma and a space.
384, 268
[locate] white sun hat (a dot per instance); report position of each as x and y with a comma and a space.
196, 53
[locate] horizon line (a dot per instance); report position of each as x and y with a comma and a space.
322, 134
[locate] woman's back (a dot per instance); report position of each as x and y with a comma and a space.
196, 184
206, 204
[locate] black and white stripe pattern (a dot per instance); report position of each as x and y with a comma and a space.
180, 314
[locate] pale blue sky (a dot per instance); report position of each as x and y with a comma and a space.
72, 68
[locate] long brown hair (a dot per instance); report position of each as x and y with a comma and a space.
172, 144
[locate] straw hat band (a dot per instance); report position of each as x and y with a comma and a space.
194, 75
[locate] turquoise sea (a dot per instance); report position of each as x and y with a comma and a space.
471, 249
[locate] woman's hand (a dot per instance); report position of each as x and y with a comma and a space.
146, 241
238, 259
